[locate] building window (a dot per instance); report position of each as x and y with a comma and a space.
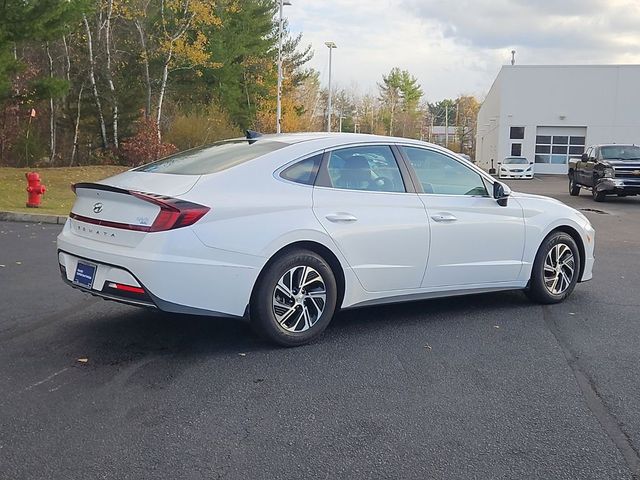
543, 148
576, 150
516, 133
516, 149
557, 149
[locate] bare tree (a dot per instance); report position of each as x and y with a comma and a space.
76, 127
92, 80
52, 112
112, 89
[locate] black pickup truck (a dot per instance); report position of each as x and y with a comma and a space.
606, 170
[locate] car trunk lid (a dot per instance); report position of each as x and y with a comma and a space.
123, 209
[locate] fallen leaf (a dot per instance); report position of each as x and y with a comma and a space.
83, 360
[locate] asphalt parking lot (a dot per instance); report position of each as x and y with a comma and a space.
487, 386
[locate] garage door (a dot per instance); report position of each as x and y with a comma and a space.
555, 145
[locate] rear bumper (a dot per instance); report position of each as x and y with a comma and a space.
626, 186
177, 271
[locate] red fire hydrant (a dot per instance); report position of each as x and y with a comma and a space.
35, 189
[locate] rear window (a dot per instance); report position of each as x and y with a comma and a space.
212, 158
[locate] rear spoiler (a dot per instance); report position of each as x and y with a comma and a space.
99, 186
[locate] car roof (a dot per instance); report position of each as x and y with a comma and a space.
335, 138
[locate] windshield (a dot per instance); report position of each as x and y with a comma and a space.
621, 152
516, 161
212, 158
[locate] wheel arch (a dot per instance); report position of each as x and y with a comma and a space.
318, 248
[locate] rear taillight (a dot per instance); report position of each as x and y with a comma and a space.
174, 213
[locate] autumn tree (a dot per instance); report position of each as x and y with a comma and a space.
467, 107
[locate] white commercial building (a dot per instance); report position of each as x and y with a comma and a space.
549, 113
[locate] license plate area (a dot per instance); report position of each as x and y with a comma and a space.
85, 273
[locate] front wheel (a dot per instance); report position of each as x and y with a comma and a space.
295, 299
555, 269
574, 189
598, 196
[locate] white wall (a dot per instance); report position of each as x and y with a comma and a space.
603, 98
488, 126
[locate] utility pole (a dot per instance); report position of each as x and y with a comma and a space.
331, 46
279, 98
446, 125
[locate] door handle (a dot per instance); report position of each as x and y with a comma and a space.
340, 217
444, 218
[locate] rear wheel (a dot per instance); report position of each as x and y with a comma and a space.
295, 299
574, 189
555, 270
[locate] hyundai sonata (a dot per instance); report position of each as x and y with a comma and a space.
287, 229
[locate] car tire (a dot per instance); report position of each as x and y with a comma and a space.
574, 188
598, 196
287, 306
556, 269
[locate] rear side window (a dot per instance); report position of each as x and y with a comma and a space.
371, 168
304, 171
212, 158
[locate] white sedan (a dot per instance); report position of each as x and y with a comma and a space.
515, 167
288, 229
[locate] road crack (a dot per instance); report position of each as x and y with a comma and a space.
594, 401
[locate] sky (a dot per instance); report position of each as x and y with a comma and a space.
457, 47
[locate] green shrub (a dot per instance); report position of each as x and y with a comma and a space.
192, 129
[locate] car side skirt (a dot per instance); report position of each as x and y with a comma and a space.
412, 297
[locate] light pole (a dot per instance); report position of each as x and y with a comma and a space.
279, 100
342, 117
331, 46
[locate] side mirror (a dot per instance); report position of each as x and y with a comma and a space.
584, 157
530, 163
501, 193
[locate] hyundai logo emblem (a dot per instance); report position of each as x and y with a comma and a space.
97, 207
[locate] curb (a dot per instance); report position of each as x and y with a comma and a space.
32, 218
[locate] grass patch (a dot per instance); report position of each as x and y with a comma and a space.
58, 199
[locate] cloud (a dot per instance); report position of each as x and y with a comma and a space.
458, 47
569, 25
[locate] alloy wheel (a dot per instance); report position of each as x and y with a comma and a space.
299, 298
559, 269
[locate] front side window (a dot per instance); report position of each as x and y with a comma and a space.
371, 168
441, 174
304, 171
